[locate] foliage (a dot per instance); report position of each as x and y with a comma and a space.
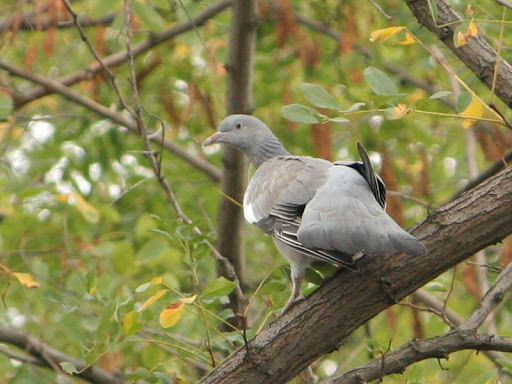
95, 260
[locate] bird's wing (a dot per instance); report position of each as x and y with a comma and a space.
277, 195
282, 186
345, 216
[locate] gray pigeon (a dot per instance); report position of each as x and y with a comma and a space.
313, 209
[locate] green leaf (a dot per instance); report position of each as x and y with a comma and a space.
440, 95
355, 107
91, 279
436, 287
95, 352
432, 6
152, 250
272, 287
318, 96
313, 276
463, 101
300, 113
68, 367
148, 17
379, 82
6, 106
339, 119
131, 323
154, 281
218, 288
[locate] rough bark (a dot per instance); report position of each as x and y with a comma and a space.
477, 55
238, 100
321, 324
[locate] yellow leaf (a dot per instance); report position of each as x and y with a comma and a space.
472, 29
171, 315
188, 300
154, 281
63, 198
26, 279
397, 112
152, 299
409, 39
472, 112
384, 34
461, 39
88, 211
130, 323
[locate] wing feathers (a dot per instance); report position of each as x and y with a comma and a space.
326, 211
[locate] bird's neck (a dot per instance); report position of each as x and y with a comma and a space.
265, 149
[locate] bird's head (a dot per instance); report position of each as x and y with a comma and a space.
240, 131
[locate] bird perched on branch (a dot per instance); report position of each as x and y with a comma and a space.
313, 209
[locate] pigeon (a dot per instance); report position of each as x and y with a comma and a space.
313, 209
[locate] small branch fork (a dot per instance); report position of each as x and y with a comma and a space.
463, 337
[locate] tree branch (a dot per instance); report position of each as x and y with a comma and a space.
465, 337
491, 299
418, 350
477, 55
324, 321
34, 22
122, 56
426, 86
46, 356
72, 95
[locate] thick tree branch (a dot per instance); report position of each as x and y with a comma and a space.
418, 350
477, 55
72, 95
323, 322
47, 356
465, 337
121, 57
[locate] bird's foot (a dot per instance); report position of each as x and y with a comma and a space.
292, 302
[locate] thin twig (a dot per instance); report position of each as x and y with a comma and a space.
379, 8
121, 57
155, 163
46, 356
441, 313
70, 94
491, 299
95, 53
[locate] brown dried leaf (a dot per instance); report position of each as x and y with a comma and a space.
424, 182
30, 57
288, 99
49, 41
309, 51
99, 40
321, 135
395, 208
506, 256
288, 25
469, 280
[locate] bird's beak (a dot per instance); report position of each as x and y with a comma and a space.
215, 138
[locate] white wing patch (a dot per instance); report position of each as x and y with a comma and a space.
248, 212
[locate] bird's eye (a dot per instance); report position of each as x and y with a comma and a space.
238, 125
